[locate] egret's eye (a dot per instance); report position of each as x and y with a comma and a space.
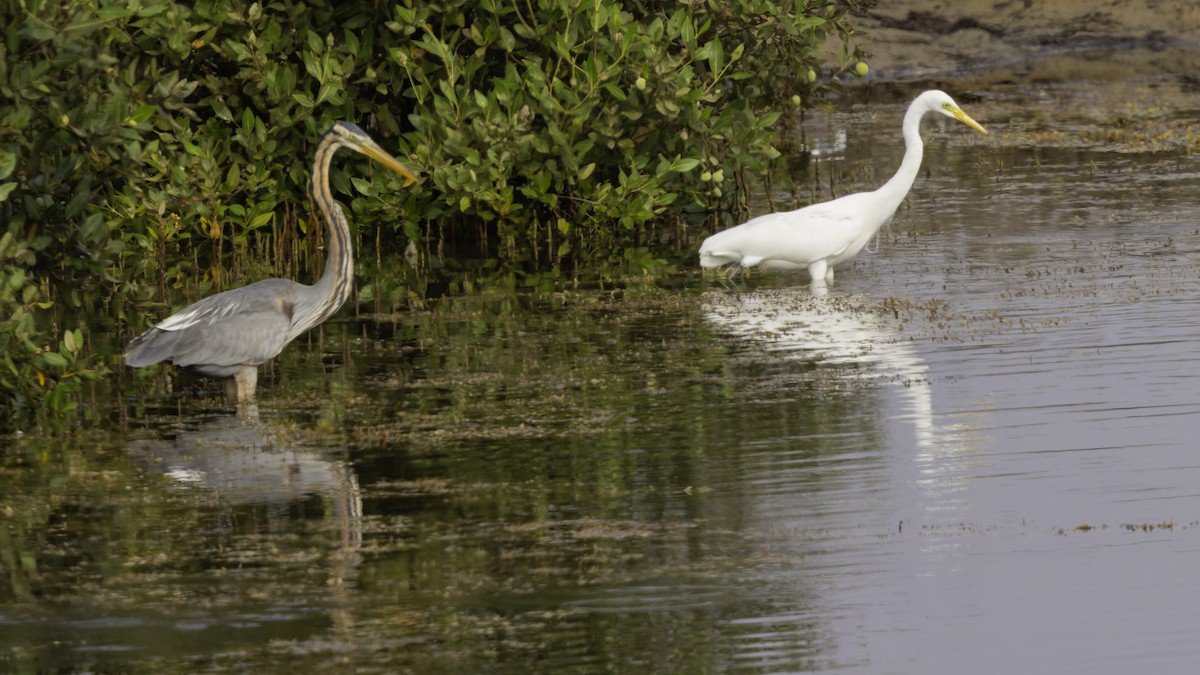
947, 106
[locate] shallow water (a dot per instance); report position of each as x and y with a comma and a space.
977, 454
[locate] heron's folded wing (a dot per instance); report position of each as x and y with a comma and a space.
247, 338
244, 326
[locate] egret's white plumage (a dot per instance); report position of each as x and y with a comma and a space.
822, 236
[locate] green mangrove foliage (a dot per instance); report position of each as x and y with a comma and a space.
154, 151
40, 370
584, 128
37, 377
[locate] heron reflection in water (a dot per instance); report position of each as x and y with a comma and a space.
247, 462
230, 334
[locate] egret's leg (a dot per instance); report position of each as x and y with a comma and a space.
829, 274
732, 283
820, 270
737, 270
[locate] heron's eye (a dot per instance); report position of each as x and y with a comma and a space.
947, 106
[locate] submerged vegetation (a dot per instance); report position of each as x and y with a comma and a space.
153, 151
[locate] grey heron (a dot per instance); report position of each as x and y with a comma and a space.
230, 334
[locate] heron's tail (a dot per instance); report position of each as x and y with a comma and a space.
153, 346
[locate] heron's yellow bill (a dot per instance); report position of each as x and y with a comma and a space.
966, 119
380, 155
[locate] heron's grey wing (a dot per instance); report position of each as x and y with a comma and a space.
216, 336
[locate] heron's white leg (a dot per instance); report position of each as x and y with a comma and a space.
240, 388
247, 379
829, 274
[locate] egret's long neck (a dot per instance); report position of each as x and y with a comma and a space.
333, 288
894, 191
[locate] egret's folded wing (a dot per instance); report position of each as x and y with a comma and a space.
798, 237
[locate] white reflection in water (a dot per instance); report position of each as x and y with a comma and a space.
824, 146
794, 323
848, 503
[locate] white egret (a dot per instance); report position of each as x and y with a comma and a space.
822, 236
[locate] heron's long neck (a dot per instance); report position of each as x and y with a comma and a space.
894, 191
333, 288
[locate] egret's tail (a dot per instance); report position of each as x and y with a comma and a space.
711, 259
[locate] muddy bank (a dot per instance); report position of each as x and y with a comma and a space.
1029, 40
